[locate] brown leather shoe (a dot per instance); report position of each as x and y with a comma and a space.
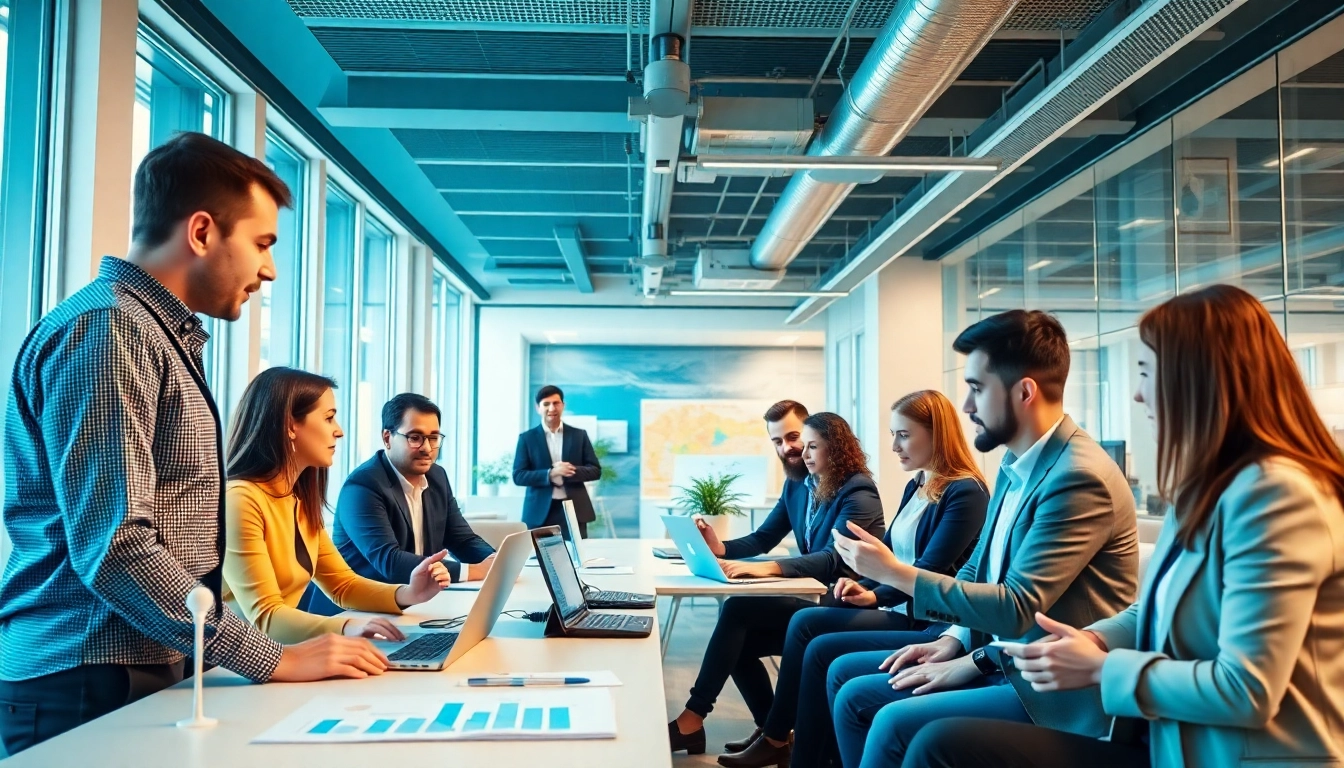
760, 754
741, 744
693, 742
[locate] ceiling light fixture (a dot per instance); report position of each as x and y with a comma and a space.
1303, 152
847, 163
765, 294
1042, 264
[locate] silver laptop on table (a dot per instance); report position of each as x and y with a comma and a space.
435, 650
691, 543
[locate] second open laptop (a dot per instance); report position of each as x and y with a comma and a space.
597, 598
571, 609
434, 650
696, 552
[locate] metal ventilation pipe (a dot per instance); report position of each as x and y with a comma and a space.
921, 50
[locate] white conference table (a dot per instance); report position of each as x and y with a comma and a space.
143, 735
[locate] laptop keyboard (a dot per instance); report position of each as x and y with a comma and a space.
619, 599
425, 648
610, 621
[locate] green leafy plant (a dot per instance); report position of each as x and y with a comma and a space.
495, 472
603, 449
711, 496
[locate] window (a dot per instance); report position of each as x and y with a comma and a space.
282, 301
337, 289
445, 367
374, 355
171, 96
4, 63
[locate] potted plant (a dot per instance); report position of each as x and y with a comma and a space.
712, 498
602, 448
492, 474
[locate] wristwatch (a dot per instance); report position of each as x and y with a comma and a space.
982, 662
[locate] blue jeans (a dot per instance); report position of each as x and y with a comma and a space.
875, 724
813, 736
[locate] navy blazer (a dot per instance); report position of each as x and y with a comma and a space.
856, 500
532, 468
373, 524
945, 537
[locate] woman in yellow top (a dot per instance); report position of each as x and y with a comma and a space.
281, 443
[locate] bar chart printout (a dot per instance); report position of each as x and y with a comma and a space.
462, 714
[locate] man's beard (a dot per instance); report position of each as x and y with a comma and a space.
992, 438
794, 471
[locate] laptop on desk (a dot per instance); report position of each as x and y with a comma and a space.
691, 543
571, 611
435, 650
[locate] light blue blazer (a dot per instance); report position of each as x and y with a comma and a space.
1250, 666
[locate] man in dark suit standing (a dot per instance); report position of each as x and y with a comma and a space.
398, 506
553, 461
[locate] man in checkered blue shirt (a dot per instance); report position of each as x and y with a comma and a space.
113, 461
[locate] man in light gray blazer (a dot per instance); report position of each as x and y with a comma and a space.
1060, 538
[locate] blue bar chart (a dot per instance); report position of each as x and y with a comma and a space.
469, 715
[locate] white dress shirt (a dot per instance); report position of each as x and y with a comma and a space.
903, 529
1016, 472
415, 494
555, 441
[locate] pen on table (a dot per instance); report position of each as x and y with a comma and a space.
521, 681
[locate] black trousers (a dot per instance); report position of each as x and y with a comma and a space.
749, 629
556, 516
790, 702
972, 742
32, 711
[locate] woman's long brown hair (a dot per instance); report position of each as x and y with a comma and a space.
259, 445
1228, 394
952, 459
844, 453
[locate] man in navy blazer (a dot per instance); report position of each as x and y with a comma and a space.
553, 461
398, 506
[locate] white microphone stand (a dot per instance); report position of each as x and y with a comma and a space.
199, 601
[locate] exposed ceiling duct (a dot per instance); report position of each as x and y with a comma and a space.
666, 103
919, 53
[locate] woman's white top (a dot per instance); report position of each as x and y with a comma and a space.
903, 529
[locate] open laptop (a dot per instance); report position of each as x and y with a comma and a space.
691, 543
575, 619
578, 552
435, 650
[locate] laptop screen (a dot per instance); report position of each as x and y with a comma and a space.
554, 557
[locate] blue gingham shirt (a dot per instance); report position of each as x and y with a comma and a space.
113, 489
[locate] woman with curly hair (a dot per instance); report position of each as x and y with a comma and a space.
841, 489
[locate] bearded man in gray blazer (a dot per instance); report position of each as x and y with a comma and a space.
1060, 538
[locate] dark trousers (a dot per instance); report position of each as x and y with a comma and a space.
749, 629
556, 516
814, 731
972, 742
32, 711
806, 626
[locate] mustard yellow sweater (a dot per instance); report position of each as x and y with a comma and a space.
263, 579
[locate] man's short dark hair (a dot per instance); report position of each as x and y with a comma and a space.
1022, 343
783, 408
192, 172
394, 410
547, 391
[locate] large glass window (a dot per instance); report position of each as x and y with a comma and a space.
375, 361
445, 366
282, 301
338, 288
171, 95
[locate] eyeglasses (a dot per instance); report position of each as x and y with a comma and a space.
415, 439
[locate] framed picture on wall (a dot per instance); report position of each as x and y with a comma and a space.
1204, 196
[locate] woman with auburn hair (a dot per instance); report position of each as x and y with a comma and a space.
840, 490
1234, 653
936, 527
282, 442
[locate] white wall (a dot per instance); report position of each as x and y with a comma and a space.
899, 311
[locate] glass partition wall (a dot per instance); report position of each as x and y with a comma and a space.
1245, 186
